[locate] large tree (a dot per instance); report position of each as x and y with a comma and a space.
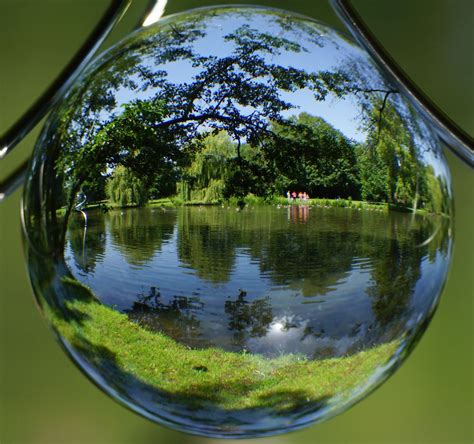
243, 93
389, 165
311, 155
240, 93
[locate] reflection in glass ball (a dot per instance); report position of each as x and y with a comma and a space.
235, 225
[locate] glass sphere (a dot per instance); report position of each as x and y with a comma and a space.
235, 225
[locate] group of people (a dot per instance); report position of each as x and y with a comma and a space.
293, 195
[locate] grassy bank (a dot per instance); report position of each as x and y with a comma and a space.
252, 200
337, 203
229, 380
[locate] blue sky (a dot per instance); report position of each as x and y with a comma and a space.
342, 113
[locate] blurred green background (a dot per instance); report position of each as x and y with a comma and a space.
45, 399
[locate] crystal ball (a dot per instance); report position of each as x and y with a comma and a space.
235, 225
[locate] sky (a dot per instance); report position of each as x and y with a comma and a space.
330, 54
343, 113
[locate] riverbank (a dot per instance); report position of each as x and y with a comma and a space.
112, 343
251, 200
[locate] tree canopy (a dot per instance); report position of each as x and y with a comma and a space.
228, 126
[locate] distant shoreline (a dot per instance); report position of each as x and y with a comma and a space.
253, 201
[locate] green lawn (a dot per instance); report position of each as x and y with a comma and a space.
228, 380
251, 200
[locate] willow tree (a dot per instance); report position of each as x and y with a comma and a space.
124, 188
390, 161
208, 172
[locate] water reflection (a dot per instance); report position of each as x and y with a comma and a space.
253, 280
298, 213
87, 249
138, 235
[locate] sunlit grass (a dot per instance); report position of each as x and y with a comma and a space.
229, 380
251, 200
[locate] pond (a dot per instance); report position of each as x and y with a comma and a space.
272, 280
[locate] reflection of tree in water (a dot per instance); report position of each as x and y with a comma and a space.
87, 244
140, 234
204, 245
303, 263
248, 319
392, 291
176, 318
180, 317
397, 264
314, 259
438, 237
310, 261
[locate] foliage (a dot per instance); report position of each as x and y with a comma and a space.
372, 175
223, 134
389, 165
206, 177
311, 155
437, 191
149, 135
124, 188
94, 187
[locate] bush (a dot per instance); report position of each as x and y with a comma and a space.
253, 200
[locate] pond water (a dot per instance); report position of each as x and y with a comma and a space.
269, 280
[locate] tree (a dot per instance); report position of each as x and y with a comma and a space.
124, 188
94, 187
434, 193
239, 94
206, 177
372, 175
389, 167
313, 156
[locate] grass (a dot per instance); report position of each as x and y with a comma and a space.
252, 200
228, 380
161, 203
339, 203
